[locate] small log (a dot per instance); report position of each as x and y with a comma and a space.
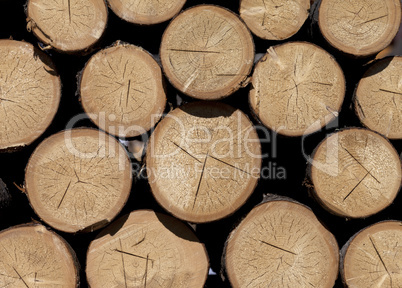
378, 96
5, 196
281, 244
356, 173
146, 12
372, 258
297, 88
147, 249
78, 180
29, 94
361, 28
68, 26
274, 21
122, 91
207, 52
32, 256
203, 161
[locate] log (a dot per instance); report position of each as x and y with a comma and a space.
359, 28
69, 26
356, 173
78, 180
377, 96
274, 21
33, 256
372, 257
5, 196
121, 90
203, 161
207, 52
29, 94
146, 12
147, 249
297, 88
281, 243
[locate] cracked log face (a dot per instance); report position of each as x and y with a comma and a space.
146, 12
207, 52
274, 20
29, 93
373, 257
67, 25
297, 89
203, 161
147, 249
78, 180
32, 256
361, 27
281, 244
356, 173
121, 90
378, 98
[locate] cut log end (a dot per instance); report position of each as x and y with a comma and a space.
360, 28
122, 91
356, 173
203, 161
32, 256
29, 94
281, 244
373, 257
274, 21
147, 249
78, 180
378, 98
146, 12
207, 52
68, 26
297, 89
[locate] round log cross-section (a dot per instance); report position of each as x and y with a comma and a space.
297, 89
203, 161
147, 249
356, 173
32, 256
207, 52
78, 180
281, 244
122, 91
29, 94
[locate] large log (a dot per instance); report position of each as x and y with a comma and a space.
207, 52
122, 91
29, 94
78, 180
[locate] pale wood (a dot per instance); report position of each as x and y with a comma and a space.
281, 243
78, 180
373, 257
122, 91
274, 20
147, 249
356, 173
207, 52
32, 256
203, 161
146, 12
360, 27
378, 98
297, 88
67, 25
29, 94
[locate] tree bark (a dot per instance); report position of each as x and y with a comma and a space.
207, 52
356, 173
29, 94
78, 180
122, 90
147, 249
